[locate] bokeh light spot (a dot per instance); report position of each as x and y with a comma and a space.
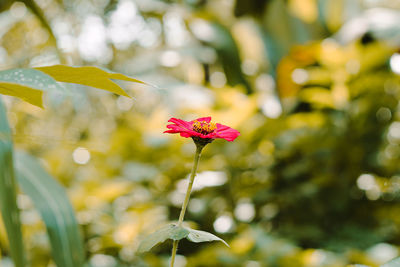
249, 67
81, 155
394, 130
265, 83
365, 181
101, 260
170, 59
18, 10
395, 63
271, 107
223, 224
218, 79
300, 76
245, 211
383, 114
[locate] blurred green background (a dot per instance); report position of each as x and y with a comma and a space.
312, 85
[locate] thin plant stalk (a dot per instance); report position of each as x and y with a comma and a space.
187, 197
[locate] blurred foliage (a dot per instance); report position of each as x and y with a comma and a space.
312, 85
52, 202
9, 209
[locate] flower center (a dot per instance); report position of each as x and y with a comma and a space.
204, 127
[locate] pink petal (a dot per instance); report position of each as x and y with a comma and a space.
176, 127
186, 134
210, 135
190, 134
221, 127
228, 138
226, 132
185, 124
171, 131
206, 119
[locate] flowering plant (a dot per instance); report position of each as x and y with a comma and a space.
202, 128
203, 132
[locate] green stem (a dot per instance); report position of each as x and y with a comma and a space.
174, 248
186, 201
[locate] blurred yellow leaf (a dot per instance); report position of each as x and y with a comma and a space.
319, 96
242, 244
89, 76
333, 55
126, 233
300, 120
237, 107
111, 190
334, 14
306, 10
26, 93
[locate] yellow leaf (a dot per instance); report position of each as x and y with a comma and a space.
317, 96
89, 76
26, 93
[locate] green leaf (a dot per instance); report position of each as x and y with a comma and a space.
89, 76
393, 263
175, 232
31, 78
28, 84
178, 233
50, 198
155, 238
202, 236
223, 42
8, 196
170, 231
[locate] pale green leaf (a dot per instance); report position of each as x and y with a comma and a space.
393, 263
170, 231
8, 203
155, 238
50, 198
89, 76
31, 78
28, 84
202, 236
178, 233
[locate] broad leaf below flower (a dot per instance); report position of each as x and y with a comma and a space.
198, 236
178, 233
393, 263
170, 231
175, 232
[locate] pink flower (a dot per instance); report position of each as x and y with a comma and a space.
202, 128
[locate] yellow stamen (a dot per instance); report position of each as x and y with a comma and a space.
204, 127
